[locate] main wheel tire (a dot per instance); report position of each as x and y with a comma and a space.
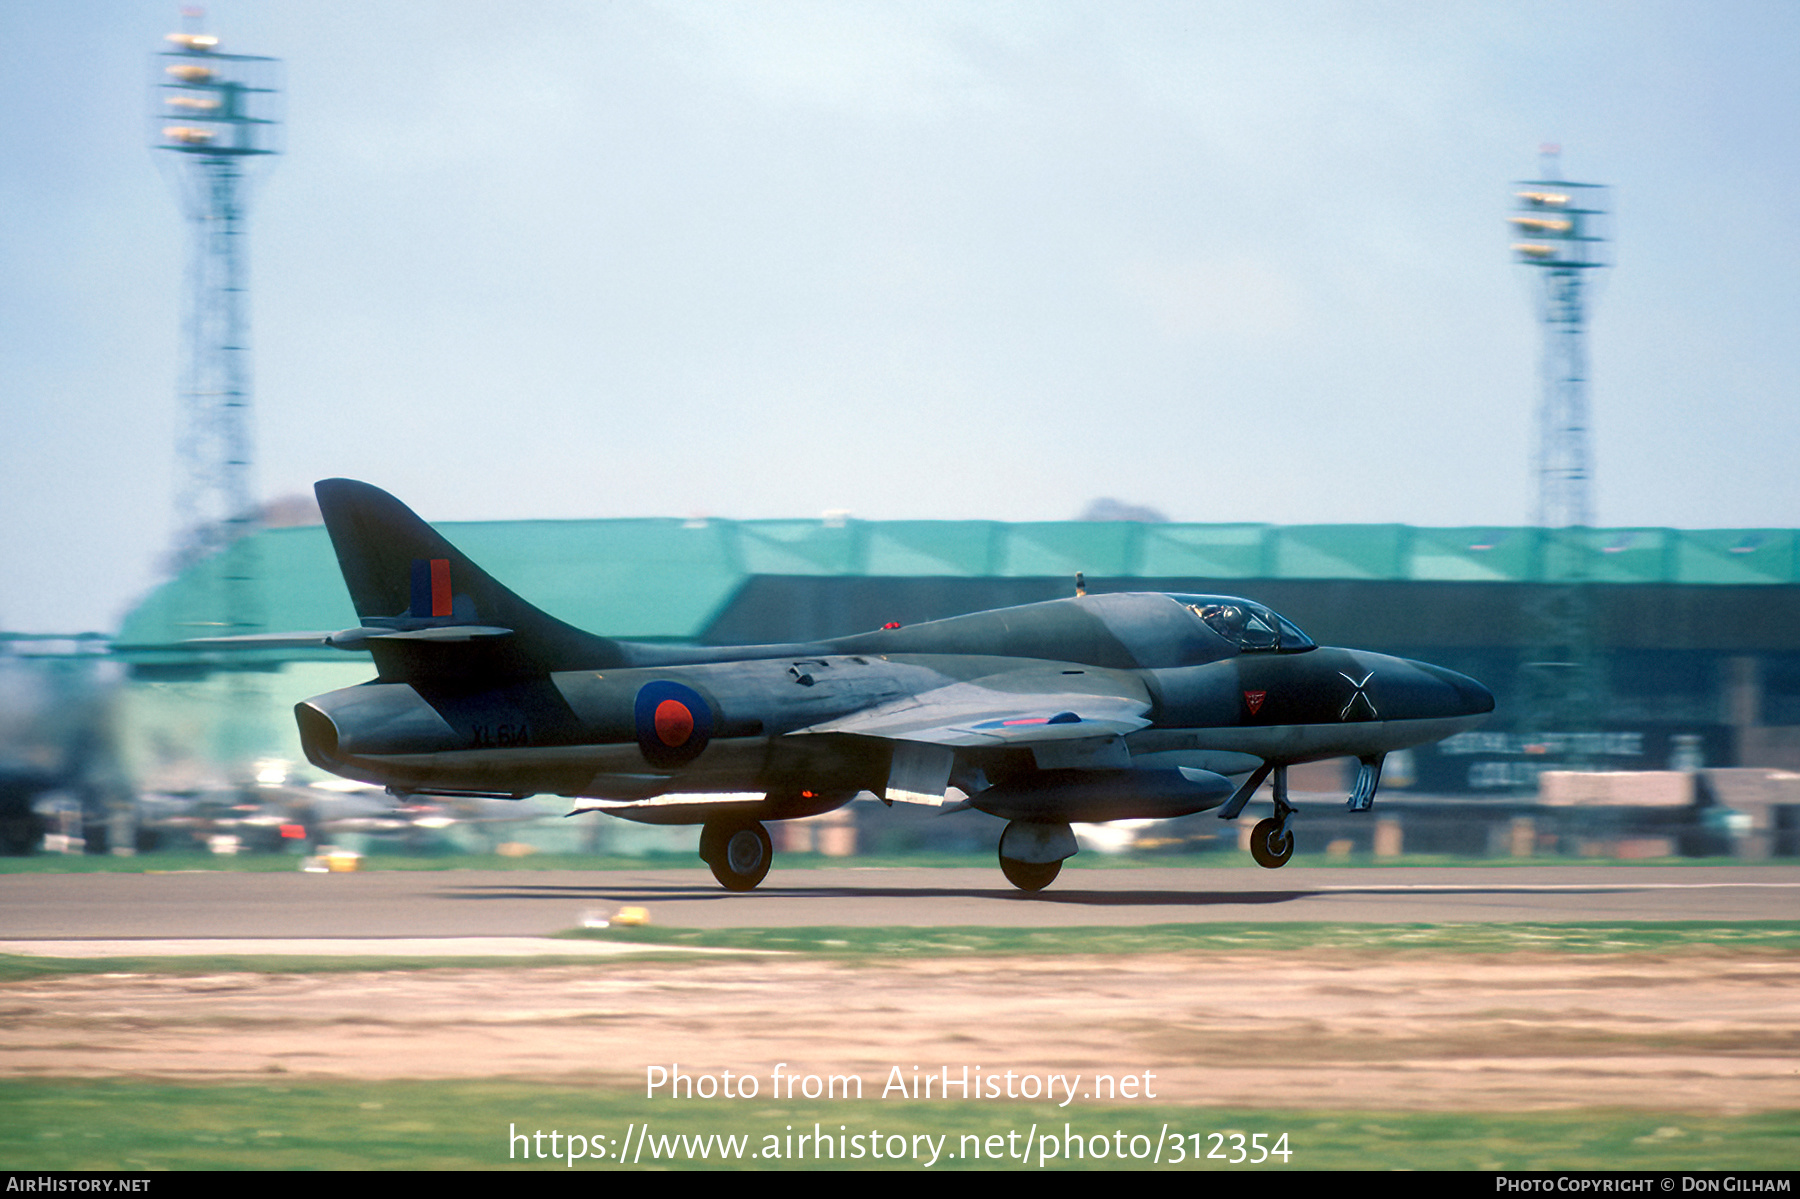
1029, 876
739, 854
1269, 845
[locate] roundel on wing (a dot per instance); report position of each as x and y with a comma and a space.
673, 723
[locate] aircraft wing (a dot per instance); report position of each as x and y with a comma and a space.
1020, 708
1067, 719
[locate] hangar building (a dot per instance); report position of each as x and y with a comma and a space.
1697, 631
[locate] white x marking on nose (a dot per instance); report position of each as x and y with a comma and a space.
1357, 694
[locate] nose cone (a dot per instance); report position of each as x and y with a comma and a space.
1471, 698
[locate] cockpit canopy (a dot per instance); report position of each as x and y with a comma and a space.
1249, 626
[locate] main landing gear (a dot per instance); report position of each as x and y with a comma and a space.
739, 852
1032, 853
1029, 876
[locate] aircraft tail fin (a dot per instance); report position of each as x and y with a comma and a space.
427, 610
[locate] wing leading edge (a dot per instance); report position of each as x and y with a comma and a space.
1033, 710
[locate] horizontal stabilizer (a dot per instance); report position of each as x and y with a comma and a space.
356, 638
348, 639
261, 641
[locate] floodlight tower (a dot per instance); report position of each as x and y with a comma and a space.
214, 114
1561, 236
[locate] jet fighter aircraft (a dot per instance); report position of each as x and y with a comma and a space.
1093, 708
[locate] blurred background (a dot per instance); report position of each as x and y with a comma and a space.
722, 323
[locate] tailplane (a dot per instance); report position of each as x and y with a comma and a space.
427, 611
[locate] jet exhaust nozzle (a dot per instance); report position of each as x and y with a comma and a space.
318, 737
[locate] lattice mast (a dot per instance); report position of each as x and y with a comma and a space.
1560, 234
214, 114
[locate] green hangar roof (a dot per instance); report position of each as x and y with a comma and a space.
671, 579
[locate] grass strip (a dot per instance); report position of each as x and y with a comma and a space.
281, 1124
1763, 938
1772, 936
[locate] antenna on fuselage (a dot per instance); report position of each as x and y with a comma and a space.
1080, 584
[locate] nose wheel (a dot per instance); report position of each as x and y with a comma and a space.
1271, 841
1271, 844
739, 853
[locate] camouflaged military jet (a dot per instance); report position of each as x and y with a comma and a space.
1086, 709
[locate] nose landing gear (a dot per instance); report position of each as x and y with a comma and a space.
1271, 843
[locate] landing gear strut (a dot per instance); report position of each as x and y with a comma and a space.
1271, 841
739, 852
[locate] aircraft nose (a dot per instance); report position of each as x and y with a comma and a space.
1472, 699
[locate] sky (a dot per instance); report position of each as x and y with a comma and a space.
1236, 262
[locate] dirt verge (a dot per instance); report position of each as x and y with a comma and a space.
1683, 1031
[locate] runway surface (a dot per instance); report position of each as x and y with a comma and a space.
1697, 1029
476, 903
